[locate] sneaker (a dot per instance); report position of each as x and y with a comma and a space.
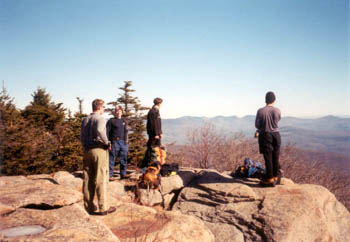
110, 210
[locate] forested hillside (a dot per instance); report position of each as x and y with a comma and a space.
44, 137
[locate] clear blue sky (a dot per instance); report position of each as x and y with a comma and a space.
204, 58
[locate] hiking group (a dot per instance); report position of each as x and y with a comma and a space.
104, 141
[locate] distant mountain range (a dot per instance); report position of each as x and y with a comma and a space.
329, 133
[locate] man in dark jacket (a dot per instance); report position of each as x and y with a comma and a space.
118, 134
154, 129
266, 122
154, 124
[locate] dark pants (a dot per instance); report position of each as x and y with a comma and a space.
119, 148
269, 145
152, 142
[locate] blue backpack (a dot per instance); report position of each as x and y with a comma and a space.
250, 169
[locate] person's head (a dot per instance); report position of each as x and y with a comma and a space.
270, 98
157, 101
118, 111
98, 105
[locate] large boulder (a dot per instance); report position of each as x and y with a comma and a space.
69, 223
18, 191
244, 211
64, 178
132, 222
176, 182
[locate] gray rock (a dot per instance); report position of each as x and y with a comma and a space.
151, 197
64, 178
176, 182
285, 213
134, 223
69, 223
39, 193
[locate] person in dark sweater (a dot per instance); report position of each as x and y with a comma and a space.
266, 122
154, 124
154, 129
118, 135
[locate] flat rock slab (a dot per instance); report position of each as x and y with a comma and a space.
285, 213
176, 182
17, 192
132, 222
70, 223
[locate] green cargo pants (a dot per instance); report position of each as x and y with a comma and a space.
95, 170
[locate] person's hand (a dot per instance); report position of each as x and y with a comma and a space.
109, 147
161, 136
156, 137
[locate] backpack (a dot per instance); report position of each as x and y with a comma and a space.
250, 169
160, 154
154, 154
169, 169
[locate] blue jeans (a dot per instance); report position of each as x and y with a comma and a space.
119, 148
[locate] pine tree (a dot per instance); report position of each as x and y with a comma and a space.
43, 112
25, 145
8, 116
69, 155
133, 112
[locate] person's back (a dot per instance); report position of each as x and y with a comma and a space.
267, 119
154, 126
266, 122
95, 162
93, 131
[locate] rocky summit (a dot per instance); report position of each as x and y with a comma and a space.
194, 205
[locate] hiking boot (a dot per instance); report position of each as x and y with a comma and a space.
126, 176
104, 213
278, 177
268, 182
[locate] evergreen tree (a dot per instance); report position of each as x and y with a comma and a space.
43, 112
69, 155
25, 146
8, 117
133, 112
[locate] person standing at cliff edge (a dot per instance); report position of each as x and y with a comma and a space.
95, 160
266, 122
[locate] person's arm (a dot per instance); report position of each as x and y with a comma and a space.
108, 128
157, 126
152, 126
279, 114
258, 121
101, 131
125, 130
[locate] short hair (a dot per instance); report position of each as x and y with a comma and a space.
96, 104
270, 97
157, 100
119, 107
